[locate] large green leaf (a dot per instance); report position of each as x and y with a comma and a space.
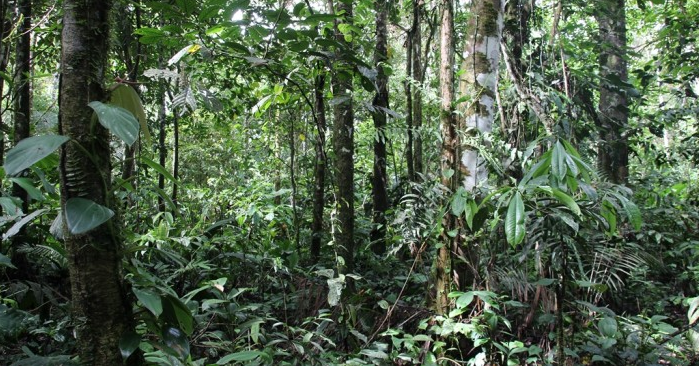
607, 327
83, 215
5, 261
176, 341
30, 150
567, 200
515, 220
28, 185
633, 213
151, 301
176, 312
129, 343
559, 167
118, 120
126, 97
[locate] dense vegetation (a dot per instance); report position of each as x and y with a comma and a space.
355, 182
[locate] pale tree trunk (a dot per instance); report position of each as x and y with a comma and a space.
101, 310
450, 141
478, 83
22, 117
343, 144
613, 151
378, 181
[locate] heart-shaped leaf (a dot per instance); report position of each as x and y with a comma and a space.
83, 215
30, 150
118, 120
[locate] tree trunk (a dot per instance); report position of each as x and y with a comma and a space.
343, 144
101, 310
162, 147
613, 153
22, 118
479, 84
132, 61
417, 95
450, 141
378, 182
409, 152
5, 29
319, 184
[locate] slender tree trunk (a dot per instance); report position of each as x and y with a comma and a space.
22, 103
101, 309
162, 147
133, 62
450, 141
175, 159
321, 161
613, 151
379, 178
417, 95
343, 143
409, 152
5, 28
516, 33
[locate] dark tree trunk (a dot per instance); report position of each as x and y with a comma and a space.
378, 181
101, 309
175, 159
409, 153
131, 54
343, 144
162, 147
450, 143
5, 29
321, 161
22, 103
613, 151
417, 95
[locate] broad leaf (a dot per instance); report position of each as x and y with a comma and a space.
20, 224
175, 312
118, 120
559, 167
514, 221
151, 301
567, 200
176, 341
607, 327
126, 97
28, 186
129, 343
83, 215
5, 261
31, 150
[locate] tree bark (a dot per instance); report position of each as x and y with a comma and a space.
343, 143
613, 151
418, 77
478, 83
22, 103
409, 152
450, 141
319, 184
5, 29
378, 182
101, 310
